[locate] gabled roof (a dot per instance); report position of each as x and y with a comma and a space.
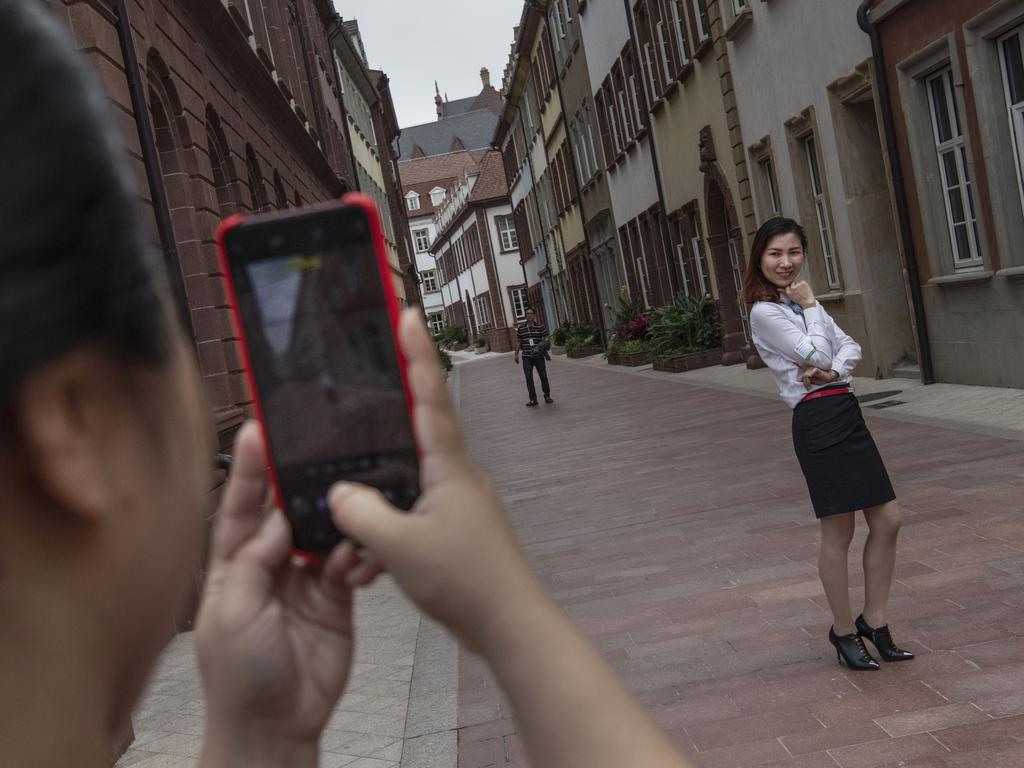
491, 182
474, 129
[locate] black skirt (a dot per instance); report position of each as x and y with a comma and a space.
838, 456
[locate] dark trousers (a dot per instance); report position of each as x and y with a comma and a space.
529, 363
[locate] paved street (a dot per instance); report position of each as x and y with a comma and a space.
672, 524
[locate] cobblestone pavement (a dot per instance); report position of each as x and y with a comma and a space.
399, 709
672, 524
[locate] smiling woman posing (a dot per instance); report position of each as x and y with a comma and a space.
812, 361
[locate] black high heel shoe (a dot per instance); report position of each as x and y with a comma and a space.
882, 640
850, 648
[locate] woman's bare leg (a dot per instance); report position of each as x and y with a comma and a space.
879, 561
836, 535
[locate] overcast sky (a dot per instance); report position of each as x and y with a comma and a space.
419, 41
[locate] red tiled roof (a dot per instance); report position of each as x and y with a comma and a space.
492, 182
451, 165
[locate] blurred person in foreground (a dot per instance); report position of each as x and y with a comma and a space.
104, 471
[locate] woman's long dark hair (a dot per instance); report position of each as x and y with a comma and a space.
756, 287
73, 266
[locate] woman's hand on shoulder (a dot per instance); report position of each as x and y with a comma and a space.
801, 293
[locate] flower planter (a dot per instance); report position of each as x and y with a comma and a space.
631, 359
460, 346
481, 350
576, 354
690, 362
557, 350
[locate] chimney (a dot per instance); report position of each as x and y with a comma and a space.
485, 76
438, 101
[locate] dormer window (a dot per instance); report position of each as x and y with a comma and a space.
412, 201
436, 196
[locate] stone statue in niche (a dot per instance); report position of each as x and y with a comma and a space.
706, 144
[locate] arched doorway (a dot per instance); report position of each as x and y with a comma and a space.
725, 243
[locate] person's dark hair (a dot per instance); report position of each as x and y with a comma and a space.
73, 253
756, 287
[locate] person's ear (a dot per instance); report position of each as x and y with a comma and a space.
61, 414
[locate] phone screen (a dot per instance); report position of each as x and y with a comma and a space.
323, 357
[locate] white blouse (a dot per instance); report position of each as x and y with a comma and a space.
789, 342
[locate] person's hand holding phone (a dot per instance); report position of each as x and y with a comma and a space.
455, 554
274, 638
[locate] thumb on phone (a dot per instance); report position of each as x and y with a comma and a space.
366, 516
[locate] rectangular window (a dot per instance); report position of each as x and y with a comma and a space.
666, 53
738, 6
737, 277
821, 212
507, 233
482, 310
681, 255
952, 158
699, 260
679, 25
519, 302
430, 281
700, 16
1010, 51
641, 276
422, 238
769, 188
635, 98
653, 86
435, 321
412, 202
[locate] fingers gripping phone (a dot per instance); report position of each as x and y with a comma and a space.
314, 303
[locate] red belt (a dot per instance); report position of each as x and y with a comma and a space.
825, 393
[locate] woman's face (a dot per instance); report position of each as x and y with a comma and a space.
782, 260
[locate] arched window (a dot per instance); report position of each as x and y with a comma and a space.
224, 177
279, 193
256, 185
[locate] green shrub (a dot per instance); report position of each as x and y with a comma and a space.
562, 334
618, 346
454, 334
688, 324
444, 358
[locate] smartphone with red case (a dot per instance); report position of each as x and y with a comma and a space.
314, 302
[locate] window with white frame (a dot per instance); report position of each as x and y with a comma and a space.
422, 239
435, 321
634, 97
591, 145
666, 54
699, 259
412, 201
436, 196
507, 233
641, 276
952, 157
650, 80
738, 6
770, 192
700, 17
678, 25
429, 280
482, 310
821, 211
1011, 57
682, 256
519, 302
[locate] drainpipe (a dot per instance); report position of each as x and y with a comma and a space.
294, 9
151, 161
649, 125
332, 35
900, 194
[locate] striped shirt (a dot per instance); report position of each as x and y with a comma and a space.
530, 338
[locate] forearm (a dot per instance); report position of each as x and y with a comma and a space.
571, 708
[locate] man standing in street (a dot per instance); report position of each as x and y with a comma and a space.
533, 341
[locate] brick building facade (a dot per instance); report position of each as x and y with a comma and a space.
242, 113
